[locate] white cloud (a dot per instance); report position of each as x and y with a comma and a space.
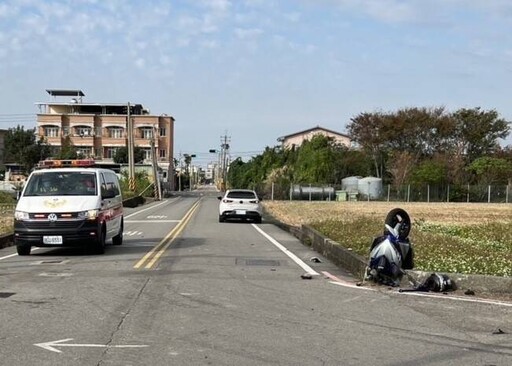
217, 5
293, 17
140, 63
247, 33
209, 44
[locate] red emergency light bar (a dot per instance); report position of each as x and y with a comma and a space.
77, 163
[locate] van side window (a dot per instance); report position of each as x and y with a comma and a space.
109, 182
103, 184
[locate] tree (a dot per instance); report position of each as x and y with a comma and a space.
121, 155
315, 161
67, 150
22, 148
490, 170
367, 130
430, 171
400, 166
477, 132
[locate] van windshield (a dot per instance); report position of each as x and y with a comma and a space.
61, 184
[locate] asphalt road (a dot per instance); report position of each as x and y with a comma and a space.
185, 289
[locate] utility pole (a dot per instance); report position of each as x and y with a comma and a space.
130, 148
224, 155
179, 176
158, 191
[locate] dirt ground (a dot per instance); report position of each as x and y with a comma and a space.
300, 212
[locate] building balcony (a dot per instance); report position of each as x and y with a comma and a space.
114, 120
82, 141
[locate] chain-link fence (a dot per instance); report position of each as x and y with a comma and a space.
378, 192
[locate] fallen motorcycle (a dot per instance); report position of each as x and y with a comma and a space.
392, 252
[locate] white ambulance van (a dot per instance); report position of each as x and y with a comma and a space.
69, 203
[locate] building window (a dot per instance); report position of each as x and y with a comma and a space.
51, 131
83, 131
147, 153
162, 153
147, 132
65, 131
110, 152
84, 152
116, 132
162, 131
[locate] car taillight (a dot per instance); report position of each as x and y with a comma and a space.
254, 201
227, 201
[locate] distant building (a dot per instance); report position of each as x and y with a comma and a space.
98, 130
296, 139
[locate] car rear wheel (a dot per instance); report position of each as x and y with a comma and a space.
258, 220
221, 218
23, 249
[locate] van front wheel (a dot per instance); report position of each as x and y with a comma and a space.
23, 249
100, 243
118, 239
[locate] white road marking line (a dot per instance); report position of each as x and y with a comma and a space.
456, 298
149, 208
346, 284
149, 221
14, 255
292, 256
9, 256
339, 282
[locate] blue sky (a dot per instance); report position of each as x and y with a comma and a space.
255, 70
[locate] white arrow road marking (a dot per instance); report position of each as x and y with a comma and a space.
50, 346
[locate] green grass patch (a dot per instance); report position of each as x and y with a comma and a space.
484, 249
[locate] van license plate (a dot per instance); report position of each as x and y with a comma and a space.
241, 212
54, 239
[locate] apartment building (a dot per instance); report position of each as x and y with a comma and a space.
98, 130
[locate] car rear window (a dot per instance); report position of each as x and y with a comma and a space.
241, 194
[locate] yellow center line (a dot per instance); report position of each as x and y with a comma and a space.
154, 254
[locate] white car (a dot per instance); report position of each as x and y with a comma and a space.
240, 204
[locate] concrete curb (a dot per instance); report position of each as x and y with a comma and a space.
356, 264
6, 240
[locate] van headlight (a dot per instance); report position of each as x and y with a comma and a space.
88, 215
21, 215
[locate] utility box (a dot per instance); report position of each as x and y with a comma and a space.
352, 196
341, 195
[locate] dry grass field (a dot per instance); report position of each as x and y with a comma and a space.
303, 212
465, 238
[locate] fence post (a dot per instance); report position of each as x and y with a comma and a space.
468, 192
291, 190
272, 194
428, 193
489, 194
408, 193
448, 194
